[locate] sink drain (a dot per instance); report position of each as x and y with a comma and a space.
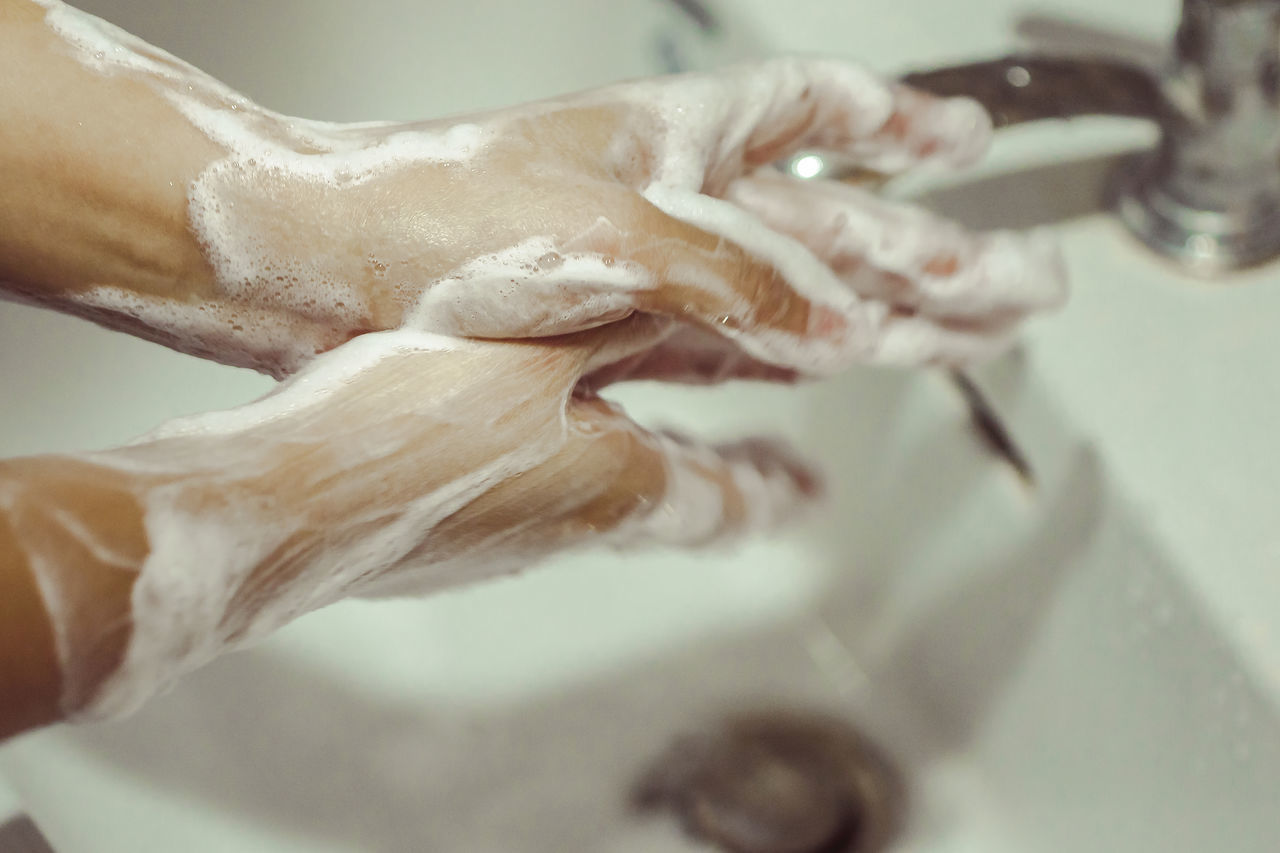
778, 782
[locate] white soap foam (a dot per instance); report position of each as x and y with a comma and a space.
530, 290
107, 48
274, 342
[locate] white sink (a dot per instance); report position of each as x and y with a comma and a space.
1089, 665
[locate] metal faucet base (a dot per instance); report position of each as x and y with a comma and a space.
1210, 194
1203, 241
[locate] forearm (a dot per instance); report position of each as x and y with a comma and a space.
102, 140
95, 169
126, 568
401, 463
71, 542
29, 676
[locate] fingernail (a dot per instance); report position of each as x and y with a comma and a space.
827, 322
963, 130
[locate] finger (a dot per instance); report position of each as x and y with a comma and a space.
647, 487
915, 340
923, 128
794, 314
716, 266
906, 255
724, 123
777, 304
612, 482
645, 346
782, 305
690, 356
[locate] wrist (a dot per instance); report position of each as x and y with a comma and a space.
297, 242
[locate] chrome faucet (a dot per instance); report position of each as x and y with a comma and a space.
1209, 194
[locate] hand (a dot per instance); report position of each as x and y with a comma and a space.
655, 196
635, 231
400, 463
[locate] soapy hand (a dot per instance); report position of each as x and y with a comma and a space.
400, 463
655, 196
633, 231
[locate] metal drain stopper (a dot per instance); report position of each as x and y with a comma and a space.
778, 782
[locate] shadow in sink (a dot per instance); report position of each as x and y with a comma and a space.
952, 650
267, 740
1045, 637
944, 565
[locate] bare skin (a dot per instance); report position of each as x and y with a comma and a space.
125, 202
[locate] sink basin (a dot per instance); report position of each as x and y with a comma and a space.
1088, 664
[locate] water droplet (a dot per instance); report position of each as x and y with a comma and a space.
549, 261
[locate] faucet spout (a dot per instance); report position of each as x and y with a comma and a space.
1017, 89
1208, 196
